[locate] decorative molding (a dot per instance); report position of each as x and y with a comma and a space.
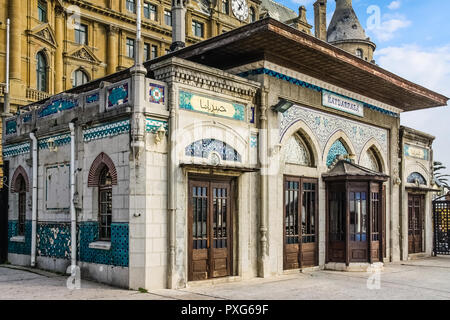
84, 54
325, 125
107, 130
17, 149
45, 33
273, 70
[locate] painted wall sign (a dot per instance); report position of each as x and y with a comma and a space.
341, 103
416, 152
213, 106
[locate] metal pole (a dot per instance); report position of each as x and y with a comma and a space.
6, 96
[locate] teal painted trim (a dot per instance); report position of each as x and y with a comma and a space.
107, 130
310, 86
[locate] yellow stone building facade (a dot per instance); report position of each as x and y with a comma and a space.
57, 44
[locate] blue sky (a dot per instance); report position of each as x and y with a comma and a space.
413, 41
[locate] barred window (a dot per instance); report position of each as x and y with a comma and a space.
105, 204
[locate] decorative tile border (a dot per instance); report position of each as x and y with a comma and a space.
107, 130
118, 95
307, 85
203, 148
92, 98
11, 126
16, 149
152, 126
59, 140
57, 106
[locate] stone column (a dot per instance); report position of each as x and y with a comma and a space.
113, 52
16, 16
59, 64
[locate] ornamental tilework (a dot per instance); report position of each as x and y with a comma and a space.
107, 130
369, 161
254, 142
416, 177
325, 125
307, 85
203, 148
118, 254
15, 150
297, 152
59, 140
19, 247
54, 240
11, 126
337, 149
157, 93
27, 117
153, 126
118, 95
57, 106
95, 97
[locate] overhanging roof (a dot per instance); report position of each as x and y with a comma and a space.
274, 41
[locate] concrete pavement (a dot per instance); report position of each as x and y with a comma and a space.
418, 279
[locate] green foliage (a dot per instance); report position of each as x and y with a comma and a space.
439, 176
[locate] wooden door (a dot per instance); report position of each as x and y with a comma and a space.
210, 229
300, 223
358, 226
336, 223
416, 206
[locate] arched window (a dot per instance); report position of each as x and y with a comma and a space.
359, 53
79, 77
226, 6
105, 204
370, 160
336, 150
297, 152
252, 14
416, 178
22, 190
41, 72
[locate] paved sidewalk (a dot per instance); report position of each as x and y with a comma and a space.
419, 279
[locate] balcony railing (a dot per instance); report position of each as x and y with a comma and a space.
36, 95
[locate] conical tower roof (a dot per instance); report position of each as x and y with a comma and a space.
345, 24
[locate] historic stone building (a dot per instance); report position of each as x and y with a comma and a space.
259, 152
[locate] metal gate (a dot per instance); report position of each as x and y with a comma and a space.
4, 215
441, 215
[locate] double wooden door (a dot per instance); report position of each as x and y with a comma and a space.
300, 223
416, 208
210, 229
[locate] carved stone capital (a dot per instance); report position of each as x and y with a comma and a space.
112, 30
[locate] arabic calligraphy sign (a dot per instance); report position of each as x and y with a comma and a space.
416, 152
213, 106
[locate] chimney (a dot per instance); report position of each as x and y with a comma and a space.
320, 19
178, 25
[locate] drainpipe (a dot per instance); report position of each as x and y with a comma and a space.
34, 199
73, 215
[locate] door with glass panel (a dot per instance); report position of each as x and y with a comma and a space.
210, 229
358, 227
300, 223
415, 222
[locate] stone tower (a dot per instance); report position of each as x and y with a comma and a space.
345, 31
320, 19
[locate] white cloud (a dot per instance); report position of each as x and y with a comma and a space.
389, 25
429, 67
394, 5
303, 2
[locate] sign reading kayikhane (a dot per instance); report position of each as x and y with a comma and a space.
341, 103
213, 106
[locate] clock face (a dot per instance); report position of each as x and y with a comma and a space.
240, 9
